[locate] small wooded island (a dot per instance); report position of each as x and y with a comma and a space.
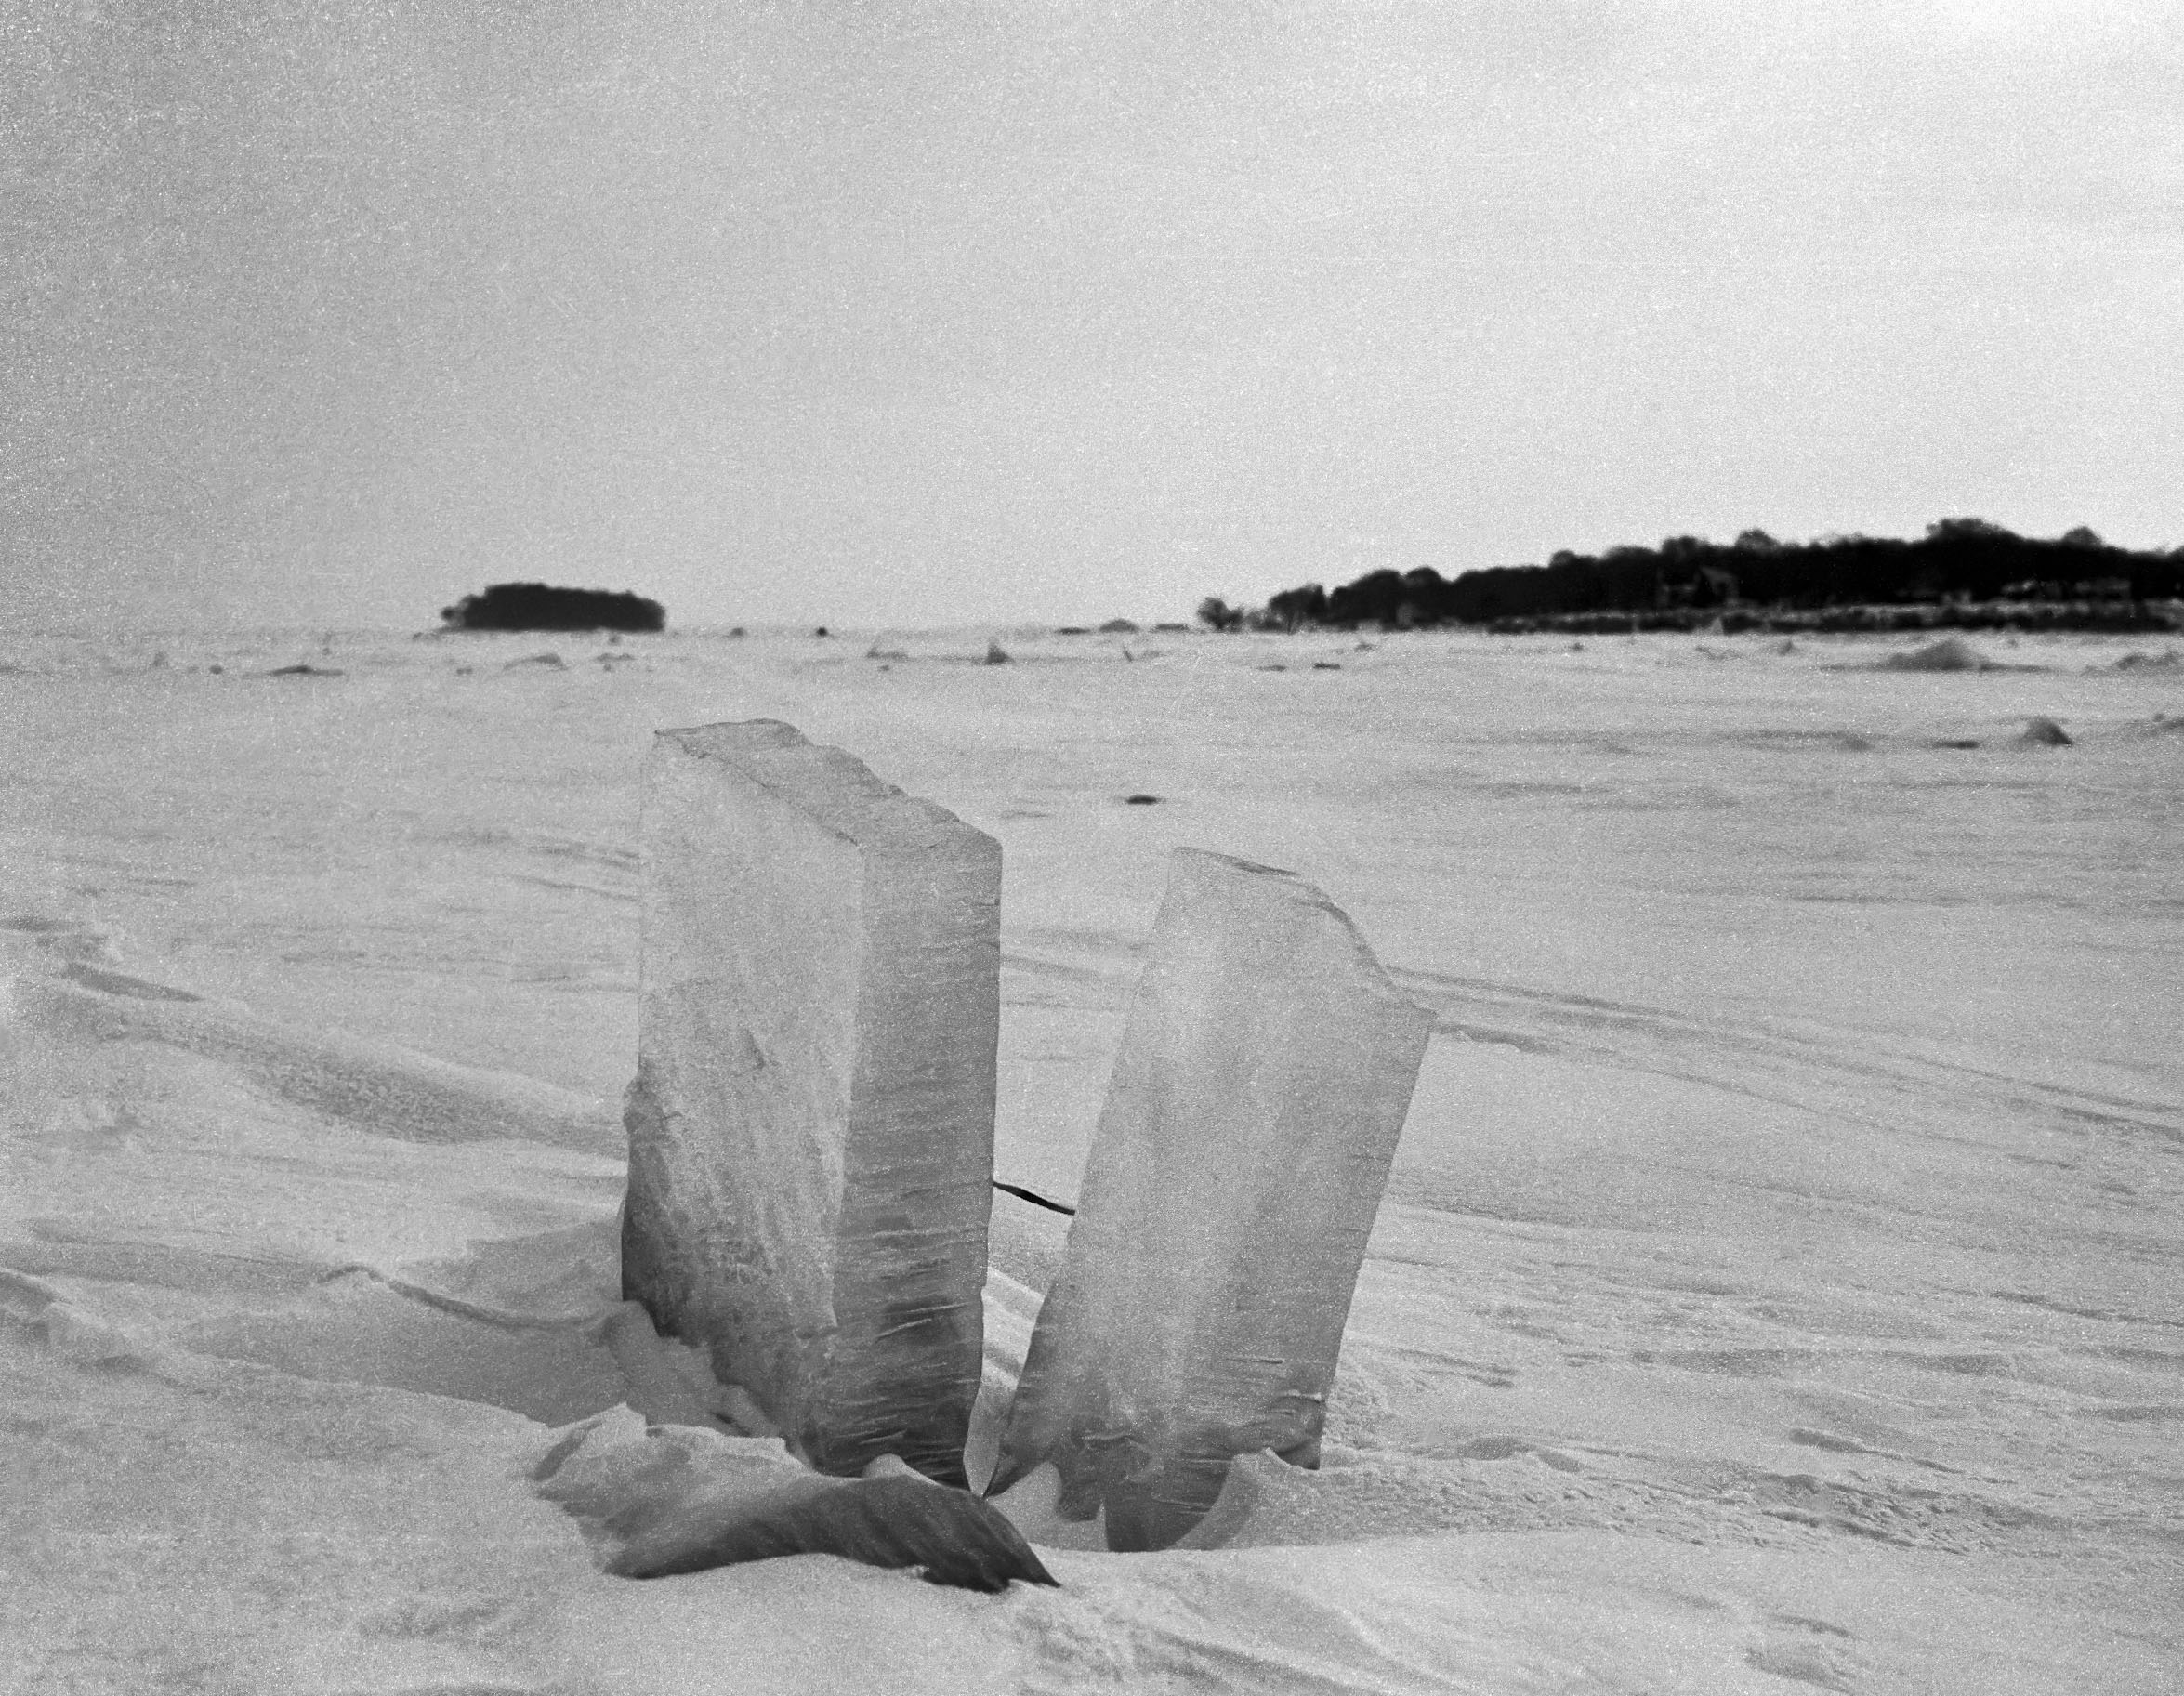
536, 606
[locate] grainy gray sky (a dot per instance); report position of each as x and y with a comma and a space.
883, 313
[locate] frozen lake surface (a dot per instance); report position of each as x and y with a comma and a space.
1780, 1284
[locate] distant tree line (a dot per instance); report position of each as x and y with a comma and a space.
533, 606
1957, 559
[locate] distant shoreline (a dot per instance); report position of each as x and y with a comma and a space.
2126, 618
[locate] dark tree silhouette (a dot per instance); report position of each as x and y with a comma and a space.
533, 606
1216, 614
1959, 559
1298, 608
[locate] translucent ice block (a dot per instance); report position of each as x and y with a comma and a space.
811, 1126
1266, 1066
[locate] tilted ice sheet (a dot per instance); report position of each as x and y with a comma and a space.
812, 1124
1265, 1071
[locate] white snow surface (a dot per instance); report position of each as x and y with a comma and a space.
1780, 1286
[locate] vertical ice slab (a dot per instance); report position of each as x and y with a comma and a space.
1266, 1066
811, 1125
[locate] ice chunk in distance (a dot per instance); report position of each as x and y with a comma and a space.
811, 1125
1266, 1066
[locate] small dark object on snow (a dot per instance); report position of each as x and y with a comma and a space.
1141, 800
304, 670
2043, 733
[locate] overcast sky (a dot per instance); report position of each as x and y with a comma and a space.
874, 313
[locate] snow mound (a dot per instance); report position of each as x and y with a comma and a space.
1951, 653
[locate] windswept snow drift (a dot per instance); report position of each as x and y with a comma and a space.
1778, 1285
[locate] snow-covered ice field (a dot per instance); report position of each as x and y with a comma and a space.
1780, 1285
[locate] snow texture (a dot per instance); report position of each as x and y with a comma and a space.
1261, 1085
811, 1124
1776, 1290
